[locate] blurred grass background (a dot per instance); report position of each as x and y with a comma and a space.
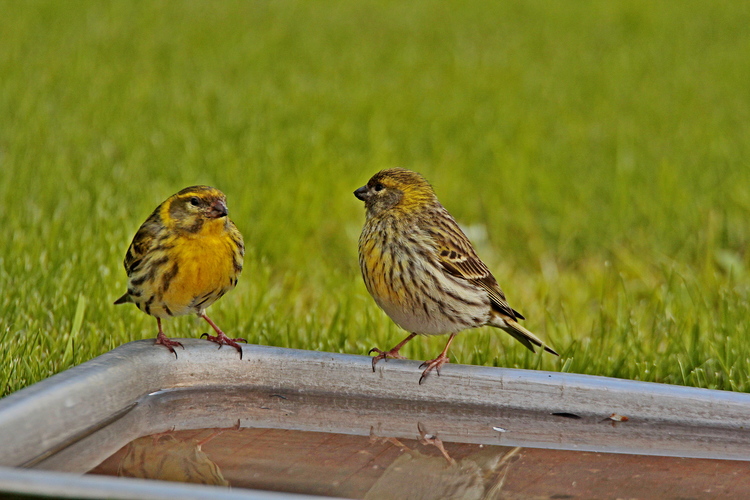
596, 152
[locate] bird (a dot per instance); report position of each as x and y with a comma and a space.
183, 258
422, 270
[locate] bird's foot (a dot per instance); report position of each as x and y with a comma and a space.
393, 353
433, 364
432, 439
170, 344
222, 339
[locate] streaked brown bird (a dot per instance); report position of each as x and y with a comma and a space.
185, 257
423, 271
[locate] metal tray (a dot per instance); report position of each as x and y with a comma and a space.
73, 421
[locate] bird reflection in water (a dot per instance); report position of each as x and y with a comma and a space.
164, 457
479, 475
319, 463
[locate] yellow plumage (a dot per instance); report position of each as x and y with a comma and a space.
183, 258
205, 266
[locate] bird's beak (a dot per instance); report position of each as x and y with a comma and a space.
361, 193
218, 209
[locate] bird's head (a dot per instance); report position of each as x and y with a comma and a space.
195, 206
395, 188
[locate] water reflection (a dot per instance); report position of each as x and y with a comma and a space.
169, 458
477, 475
369, 448
330, 464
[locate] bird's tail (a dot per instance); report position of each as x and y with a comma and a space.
125, 298
521, 334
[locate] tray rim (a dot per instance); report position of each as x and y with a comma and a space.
94, 391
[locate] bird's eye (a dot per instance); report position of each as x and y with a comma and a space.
379, 187
195, 201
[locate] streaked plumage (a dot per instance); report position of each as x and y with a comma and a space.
423, 271
167, 458
185, 257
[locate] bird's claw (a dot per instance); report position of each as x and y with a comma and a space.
433, 364
384, 355
169, 344
432, 440
223, 340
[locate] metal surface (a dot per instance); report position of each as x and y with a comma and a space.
76, 419
60, 485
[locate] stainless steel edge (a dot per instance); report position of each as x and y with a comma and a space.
70, 404
62, 485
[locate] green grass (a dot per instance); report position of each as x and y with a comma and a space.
597, 152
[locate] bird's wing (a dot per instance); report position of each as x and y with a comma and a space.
142, 242
458, 257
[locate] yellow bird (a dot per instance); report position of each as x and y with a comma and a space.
185, 257
422, 270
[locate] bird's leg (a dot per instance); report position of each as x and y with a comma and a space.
162, 339
220, 337
435, 364
432, 439
217, 432
393, 353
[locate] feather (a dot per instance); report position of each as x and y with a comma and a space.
458, 257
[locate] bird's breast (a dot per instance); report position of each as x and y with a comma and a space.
205, 272
407, 281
